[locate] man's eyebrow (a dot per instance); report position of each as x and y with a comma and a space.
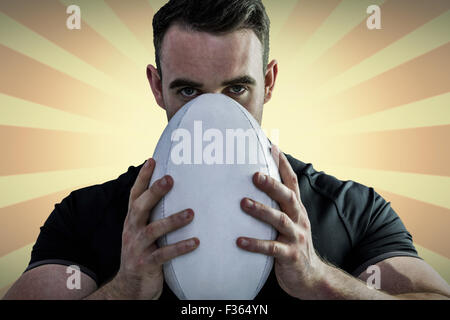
240, 80
181, 82
177, 83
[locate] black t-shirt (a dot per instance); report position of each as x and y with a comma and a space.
352, 227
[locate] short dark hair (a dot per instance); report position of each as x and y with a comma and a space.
213, 16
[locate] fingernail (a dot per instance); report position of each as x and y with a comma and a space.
244, 242
147, 163
261, 178
192, 243
164, 182
249, 203
187, 214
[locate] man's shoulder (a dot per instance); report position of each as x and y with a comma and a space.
375, 231
324, 183
123, 180
104, 193
349, 196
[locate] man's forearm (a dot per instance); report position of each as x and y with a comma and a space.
110, 291
120, 288
336, 284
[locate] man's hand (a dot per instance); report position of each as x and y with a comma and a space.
301, 272
297, 266
140, 275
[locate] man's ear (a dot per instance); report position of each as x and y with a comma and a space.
270, 79
156, 85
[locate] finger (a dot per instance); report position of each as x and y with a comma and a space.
141, 207
275, 152
142, 180
279, 192
268, 247
160, 227
288, 176
164, 254
279, 220
291, 181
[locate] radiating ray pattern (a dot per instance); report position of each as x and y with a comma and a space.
372, 106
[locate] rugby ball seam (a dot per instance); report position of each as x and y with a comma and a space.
268, 259
170, 265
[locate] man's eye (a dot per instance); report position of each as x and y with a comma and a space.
237, 89
188, 92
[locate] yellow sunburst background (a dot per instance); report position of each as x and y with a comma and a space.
371, 106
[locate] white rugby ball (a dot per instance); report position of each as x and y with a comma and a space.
208, 147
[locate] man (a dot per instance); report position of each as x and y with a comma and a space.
330, 231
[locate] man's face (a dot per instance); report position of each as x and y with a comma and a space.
194, 63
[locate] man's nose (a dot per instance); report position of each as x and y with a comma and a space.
214, 90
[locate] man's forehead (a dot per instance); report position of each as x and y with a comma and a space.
180, 35
187, 53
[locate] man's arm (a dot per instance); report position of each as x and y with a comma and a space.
410, 278
49, 282
400, 278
